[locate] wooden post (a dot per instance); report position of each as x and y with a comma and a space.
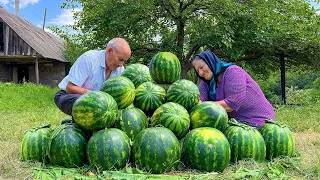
37, 70
6, 40
283, 78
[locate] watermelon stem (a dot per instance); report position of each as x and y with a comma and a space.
35, 128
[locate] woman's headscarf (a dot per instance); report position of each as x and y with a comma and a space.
216, 66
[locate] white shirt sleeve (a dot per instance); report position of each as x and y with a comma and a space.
80, 70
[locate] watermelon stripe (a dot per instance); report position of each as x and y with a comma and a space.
174, 117
121, 89
108, 149
156, 149
95, 110
278, 139
149, 97
206, 149
245, 142
209, 114
184, 92
165, 68
132, 121
137, 73
67, 146
34, 143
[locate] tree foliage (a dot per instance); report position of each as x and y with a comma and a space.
252, 32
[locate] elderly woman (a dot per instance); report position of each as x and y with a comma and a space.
233, 88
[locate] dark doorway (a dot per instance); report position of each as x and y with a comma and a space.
23, 74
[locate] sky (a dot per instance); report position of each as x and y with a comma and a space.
33, 12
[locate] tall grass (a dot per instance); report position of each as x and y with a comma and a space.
27, 105
22, 107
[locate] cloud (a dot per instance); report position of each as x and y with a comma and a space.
64, 18
22, 4
4, 2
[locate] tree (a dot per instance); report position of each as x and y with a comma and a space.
252, 32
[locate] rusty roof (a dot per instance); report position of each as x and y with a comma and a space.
46, 44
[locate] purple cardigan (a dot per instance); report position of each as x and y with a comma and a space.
242, 94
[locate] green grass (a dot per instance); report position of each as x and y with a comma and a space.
28, 105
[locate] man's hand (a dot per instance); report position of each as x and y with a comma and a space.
74, 89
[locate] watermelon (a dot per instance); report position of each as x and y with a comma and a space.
245, 142
149, 97
206, 149
165, 86
165, 68
35, 142
278, 138
67, 146
174, 117
132, 121
95, 110
156, 149
108, 149
209, 114
184, 92
121, 89
137, 73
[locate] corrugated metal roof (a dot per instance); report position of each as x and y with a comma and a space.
46, 44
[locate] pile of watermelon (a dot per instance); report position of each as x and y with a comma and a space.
151, 119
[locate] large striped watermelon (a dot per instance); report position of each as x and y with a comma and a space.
245, 142
174, 117
132, 121
278, 139
209, 114
137, 73
165, 68
34, 143
121, 89
206, 149
184, 92
95, 110
67, 146
108, 149
149, 97
156, 149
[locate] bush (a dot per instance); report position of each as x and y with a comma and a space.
302, 96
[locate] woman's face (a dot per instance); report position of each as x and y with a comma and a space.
203, 69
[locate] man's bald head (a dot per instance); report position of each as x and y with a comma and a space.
119, 44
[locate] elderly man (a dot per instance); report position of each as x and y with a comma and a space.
90, 70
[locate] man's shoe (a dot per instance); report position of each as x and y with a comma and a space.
67, 121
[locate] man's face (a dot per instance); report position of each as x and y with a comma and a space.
116, 58
203, 70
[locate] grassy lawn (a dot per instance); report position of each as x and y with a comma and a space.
24, 106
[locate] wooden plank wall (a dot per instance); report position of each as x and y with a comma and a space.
14, 45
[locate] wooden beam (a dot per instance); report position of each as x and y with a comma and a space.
6, 40
37, 70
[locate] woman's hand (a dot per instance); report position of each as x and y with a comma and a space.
224, 105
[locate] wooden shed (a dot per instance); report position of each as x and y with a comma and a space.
28, 53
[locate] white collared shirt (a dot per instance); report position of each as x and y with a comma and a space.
89, 71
